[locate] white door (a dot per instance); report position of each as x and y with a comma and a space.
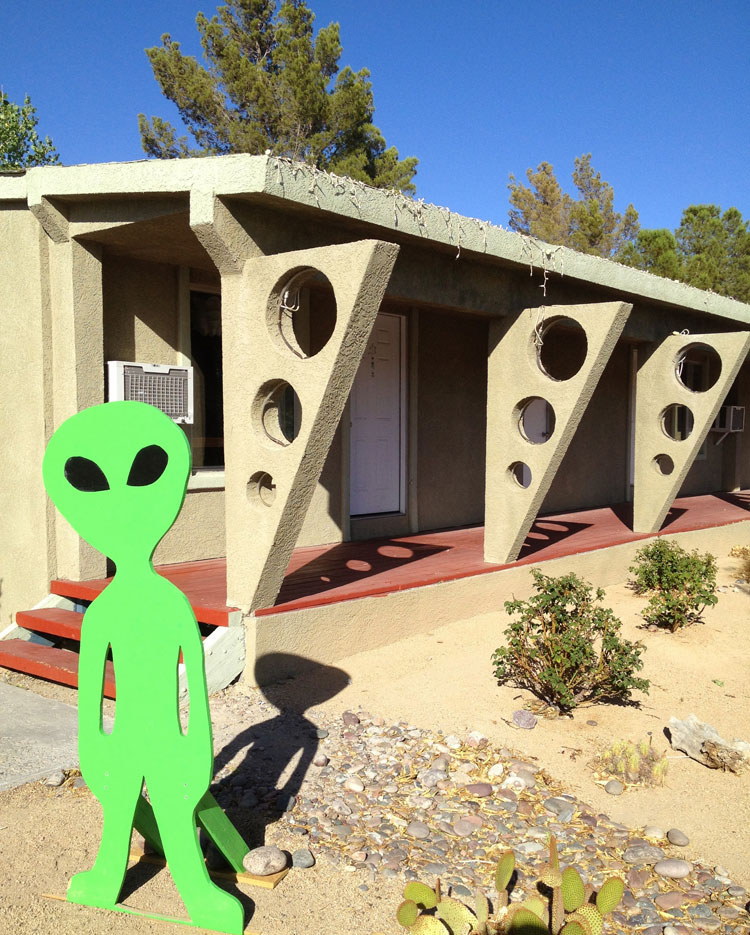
377, 422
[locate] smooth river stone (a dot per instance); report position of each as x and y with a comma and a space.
479, 789
677, 837
524, 719
418, 829
673, 867
670, 900
263, 861
464, 828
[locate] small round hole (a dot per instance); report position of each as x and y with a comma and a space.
277, 412
664, 464
697, 367
261, 489
536, 419
677, 422
301, 314
520, 473
563, 348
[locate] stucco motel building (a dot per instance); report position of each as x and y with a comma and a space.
393, 410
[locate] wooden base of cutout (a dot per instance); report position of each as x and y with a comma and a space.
269, 882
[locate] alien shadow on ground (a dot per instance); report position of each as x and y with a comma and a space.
271, 746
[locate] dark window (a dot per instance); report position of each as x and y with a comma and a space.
205, 352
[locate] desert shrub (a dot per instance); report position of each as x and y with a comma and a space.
681, 584
566, 648
633, 762
742, 552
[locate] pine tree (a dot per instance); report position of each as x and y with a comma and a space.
270, 84
20, 144
587, 223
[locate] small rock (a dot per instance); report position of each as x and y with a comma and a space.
614, 787
354, 784
672, 900
496, 771
321, 733
54, 779
350, 719
673, 868
452, 742
79, 783
431, 776
637, 879
263, 861
463, 828
480, 789
359, 857
642, 854
653, 833
560, 807
418, 829
592, 723
524, 719
476, 739
320, 759
677, 837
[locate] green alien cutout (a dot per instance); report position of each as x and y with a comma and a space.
118, 474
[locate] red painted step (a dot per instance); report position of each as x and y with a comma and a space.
56, 665
54, 621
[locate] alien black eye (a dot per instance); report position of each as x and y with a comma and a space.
148, 466
84, 474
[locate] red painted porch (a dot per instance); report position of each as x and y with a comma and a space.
319, 575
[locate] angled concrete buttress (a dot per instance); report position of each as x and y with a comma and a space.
521, 465
661, 461
269, 478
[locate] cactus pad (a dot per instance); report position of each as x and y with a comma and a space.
525, 922
591, 915
455, 915
482, 909
609, 895
427, 925
407, 913
573, 892
422, 894
574, 928
505, 867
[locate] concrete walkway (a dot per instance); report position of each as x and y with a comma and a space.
37, 736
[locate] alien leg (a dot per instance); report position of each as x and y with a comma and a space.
101, 885
208, 905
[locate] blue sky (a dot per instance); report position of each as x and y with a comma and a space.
658, 92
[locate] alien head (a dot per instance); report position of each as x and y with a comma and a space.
118, 473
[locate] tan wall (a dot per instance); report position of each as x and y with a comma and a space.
141, 323
452, 405
594, 471
198, 532
140, 311
24, 568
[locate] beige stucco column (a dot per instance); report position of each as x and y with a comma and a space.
269, 478
520, 467
662, 462
76, 340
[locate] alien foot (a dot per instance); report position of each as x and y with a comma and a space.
220, 912
93, 888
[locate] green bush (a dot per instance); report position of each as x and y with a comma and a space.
680, 584
566, 648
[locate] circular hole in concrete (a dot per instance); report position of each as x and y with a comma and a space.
520, 473
301, 312
563, 348
677, 422
536, 419
697, 367
261, 489
276, 412
663, 464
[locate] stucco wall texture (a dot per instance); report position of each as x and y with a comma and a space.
96, 263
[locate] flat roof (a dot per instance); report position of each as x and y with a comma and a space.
387, 210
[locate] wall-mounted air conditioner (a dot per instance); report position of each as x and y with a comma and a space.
730, 419
166, 387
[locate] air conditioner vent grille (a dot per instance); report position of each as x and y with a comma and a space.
168, 388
